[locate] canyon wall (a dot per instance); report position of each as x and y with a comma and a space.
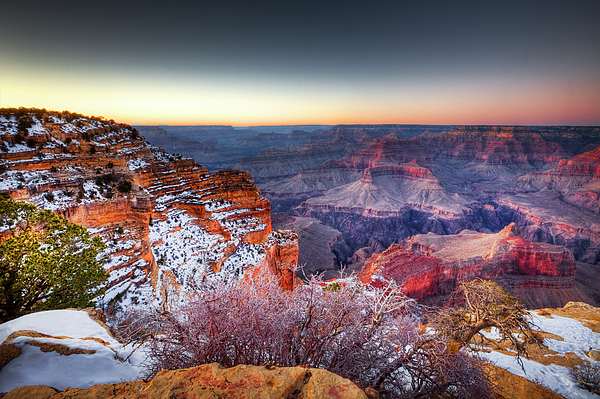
168, 223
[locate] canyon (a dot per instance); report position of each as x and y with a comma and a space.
353, 191
332, 201
424, 207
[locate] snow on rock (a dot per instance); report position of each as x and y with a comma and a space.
577, 339
75, 330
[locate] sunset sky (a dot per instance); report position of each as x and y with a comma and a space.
266, 63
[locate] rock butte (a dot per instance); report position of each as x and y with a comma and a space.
430, 265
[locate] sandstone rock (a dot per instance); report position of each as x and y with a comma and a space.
210, 380
594, 355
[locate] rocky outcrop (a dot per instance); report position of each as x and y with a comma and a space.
169, 223
431, 265
211, 380
576, 179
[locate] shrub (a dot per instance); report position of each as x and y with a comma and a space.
485, 304
107, 178
24, 124
587, 376
124, 186
366, 335
49, 196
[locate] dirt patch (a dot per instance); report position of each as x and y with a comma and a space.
30, 333
62, 349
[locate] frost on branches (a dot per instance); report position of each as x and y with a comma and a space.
370, 336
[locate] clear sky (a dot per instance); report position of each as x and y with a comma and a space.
265, 63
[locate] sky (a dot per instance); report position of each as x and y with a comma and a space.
282, 62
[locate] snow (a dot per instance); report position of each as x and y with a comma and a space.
137, 163
554, 377
578, 339
34, 367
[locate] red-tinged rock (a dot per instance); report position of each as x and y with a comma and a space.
281, 259
430, 265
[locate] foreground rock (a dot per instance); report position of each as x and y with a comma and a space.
211, 380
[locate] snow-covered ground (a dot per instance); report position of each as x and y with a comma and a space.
578, 339
73, 329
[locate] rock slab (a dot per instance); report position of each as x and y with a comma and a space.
213, 381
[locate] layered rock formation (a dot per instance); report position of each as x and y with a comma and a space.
430, 265
477, 177
576, 179
168, 223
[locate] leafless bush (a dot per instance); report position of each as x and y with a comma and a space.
137, 327
369, 336
587, 376
485, 304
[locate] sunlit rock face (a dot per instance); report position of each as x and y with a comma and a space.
429, 265
168, 223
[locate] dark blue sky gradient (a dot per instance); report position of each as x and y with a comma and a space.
396, 62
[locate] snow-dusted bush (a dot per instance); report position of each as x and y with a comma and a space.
587, 376
369, 336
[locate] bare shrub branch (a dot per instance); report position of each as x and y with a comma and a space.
367, 335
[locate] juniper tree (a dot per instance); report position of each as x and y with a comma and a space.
46, 262
484, 304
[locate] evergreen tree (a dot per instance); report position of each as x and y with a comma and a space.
46, 262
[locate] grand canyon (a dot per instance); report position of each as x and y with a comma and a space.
355, 193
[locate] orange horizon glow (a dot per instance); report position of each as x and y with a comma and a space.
181, 100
